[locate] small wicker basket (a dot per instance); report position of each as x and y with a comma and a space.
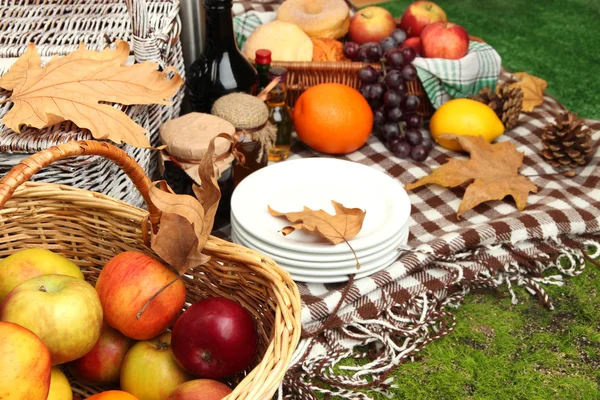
302, 75
90, 228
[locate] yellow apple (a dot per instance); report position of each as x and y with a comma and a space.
64, 312
24, 364
149, 370
25, 264
60, 389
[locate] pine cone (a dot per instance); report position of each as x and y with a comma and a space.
567, 142
505, 102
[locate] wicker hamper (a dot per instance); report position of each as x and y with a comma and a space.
90, 228
151, 27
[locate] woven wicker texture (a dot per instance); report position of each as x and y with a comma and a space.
302, 75
90, 228
151, 27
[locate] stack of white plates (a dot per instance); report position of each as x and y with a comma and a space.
314, 182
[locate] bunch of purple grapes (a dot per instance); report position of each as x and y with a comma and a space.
397, 121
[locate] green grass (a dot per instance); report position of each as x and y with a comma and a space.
556, 40
503, 351
498, 350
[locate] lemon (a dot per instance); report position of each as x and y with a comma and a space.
464, 117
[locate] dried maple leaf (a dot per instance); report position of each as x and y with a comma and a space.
345, 224
533, 90
72, 87
492, 173
186, 221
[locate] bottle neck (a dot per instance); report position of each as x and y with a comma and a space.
219, 27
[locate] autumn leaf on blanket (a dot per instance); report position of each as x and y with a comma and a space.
72, 88
533, 90
345, 224
492, 174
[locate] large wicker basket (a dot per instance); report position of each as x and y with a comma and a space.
152, 27
302, 75
90, 228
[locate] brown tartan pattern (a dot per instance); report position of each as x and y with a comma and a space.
493, 244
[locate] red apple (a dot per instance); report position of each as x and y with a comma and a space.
420, 14
63, 311
215, 338
445, 40
25, 364
149, 370
127, 282
102, 364
371, 24
415, 43
205, 389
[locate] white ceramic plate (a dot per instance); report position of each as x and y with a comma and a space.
333, 275
327, 268
316, 256
319, 265
314, 183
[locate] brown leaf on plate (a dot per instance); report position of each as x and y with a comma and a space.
492, 174
186, 221
72, 88
533, 90
345, 224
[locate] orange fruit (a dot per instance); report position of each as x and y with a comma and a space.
113, 395
333, 118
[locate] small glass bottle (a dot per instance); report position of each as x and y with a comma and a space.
280, 115
262, 64
222, 68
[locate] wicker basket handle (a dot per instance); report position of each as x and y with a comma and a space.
22, 172
145, 44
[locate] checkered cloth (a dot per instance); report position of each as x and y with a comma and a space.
394, 313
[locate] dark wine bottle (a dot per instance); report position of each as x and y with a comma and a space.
221, 69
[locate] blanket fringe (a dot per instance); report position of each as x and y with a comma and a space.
399, 331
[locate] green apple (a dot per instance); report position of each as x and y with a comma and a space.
25, 264
64, 312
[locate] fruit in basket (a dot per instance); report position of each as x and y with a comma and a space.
25, 364
415, 43
113, 395
60, 389
149, 370
215, 338
333, 118
64, 312
420, 14
125, 285
445, 40
25, 264
371, 24
205, 389
102, 364
464, 117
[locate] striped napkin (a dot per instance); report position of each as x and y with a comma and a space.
442, 79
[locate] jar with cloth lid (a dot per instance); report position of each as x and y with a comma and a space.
255, 134
186, 139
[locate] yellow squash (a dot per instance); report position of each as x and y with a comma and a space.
464, 117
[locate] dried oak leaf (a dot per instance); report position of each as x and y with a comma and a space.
72, 87
492, 174
533, 90
186, 221
345, 224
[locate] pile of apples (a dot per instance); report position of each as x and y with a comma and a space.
425, 24
119, 334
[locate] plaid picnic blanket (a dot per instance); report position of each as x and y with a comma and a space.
390, 316
394, 313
